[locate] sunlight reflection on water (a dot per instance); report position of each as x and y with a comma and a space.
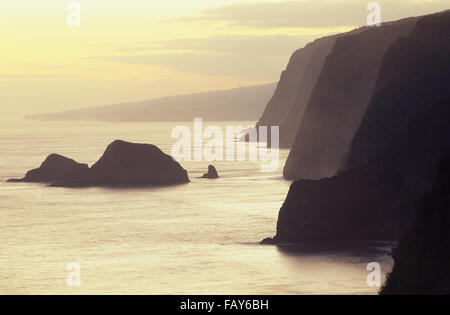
199, 238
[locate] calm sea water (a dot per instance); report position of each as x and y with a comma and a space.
199, 238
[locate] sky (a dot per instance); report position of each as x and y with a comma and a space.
133, 50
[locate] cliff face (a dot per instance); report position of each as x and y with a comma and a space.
287, 106
415, 73
296, 83
339, 100
374, 200
290, 124
421, 261
371, 202
278, 106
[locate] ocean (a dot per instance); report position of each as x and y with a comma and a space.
199, 238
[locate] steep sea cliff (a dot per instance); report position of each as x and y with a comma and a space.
375, 200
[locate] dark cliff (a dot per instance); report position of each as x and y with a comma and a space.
290, 125
415, 73
422, 259
295, 86
339, 100
287, 106
374, 201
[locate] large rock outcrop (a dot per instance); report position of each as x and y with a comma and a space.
339, 100
133, 164
415, 73
422, 260
122, 164
55, 168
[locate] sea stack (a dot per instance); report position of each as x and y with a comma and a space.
122, 164
55, 168
133, 164
212, 173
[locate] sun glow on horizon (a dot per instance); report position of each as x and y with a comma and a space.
133, 50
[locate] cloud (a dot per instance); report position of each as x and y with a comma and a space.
312, 13
260, 56
23, 76
269, 45
245, 56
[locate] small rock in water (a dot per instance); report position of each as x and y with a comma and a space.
212, 173
268, 241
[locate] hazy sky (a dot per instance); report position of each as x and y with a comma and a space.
127, 50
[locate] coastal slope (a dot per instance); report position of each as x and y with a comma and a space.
246, 103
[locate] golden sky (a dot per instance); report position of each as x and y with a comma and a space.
132, 50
